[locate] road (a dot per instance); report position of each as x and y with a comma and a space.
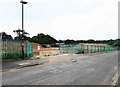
71, 69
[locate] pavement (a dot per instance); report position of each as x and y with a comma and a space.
33, 61
8, 65
71, 69
11, 64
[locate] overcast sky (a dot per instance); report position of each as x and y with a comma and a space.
63, 19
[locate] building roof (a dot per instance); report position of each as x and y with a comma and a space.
94, 44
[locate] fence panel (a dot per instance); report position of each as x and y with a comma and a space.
28, 49
13, 49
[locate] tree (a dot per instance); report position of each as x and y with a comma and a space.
21, 34
6, 36
69, 41
20, 38
43, 39
90, 41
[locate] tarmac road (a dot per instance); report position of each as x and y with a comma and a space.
71, 69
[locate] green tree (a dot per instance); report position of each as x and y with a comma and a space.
90, 41
43, 39
6, 36
69, 41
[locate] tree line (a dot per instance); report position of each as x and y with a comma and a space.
47, 39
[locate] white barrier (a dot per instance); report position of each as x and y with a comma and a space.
49, 53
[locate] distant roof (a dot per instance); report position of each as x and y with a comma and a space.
93, 44
52, 48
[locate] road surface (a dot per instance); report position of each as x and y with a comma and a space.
71, 69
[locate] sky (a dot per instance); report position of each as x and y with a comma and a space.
62, 19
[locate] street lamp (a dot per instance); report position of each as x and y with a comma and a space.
23, 2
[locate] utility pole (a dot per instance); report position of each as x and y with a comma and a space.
23, 2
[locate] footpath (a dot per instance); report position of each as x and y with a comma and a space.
19, 63
7, 65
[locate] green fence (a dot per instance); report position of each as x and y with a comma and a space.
68, 48
84, 48
12, 49
28, 49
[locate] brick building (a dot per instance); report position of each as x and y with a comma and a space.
36, 48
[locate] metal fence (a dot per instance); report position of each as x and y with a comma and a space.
28, 49
85, 48
12, 49
68, 49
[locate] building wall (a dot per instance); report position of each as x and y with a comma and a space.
36, 48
